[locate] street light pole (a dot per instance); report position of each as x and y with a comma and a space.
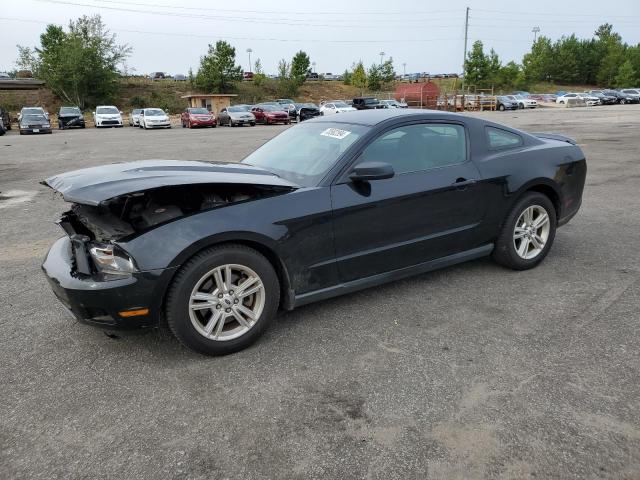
249, 52
313, 67
535, 31
381, 57
404, 69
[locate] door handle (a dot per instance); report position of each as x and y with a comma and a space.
463, 183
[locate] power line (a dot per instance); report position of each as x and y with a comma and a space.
290, 22
223, 36
274, 12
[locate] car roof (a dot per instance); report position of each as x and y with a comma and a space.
373, 117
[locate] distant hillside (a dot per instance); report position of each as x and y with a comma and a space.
166, 93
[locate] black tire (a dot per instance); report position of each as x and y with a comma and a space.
252, 124
623, 101
178, 297
501, 108
505, 252
521, 106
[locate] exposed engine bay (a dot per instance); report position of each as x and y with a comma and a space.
136, 212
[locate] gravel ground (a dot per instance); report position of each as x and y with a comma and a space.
469, 372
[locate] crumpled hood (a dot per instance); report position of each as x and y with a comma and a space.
92, 186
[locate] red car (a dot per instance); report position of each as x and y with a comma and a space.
198, 117
269, 114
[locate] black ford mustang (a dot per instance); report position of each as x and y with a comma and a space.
330, 206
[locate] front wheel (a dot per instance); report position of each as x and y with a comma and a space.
527, 233
501, 108
623, 101
223, 299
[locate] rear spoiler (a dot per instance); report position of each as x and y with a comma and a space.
555, 136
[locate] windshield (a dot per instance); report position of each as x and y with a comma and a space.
136, 111
107, 111
270, 108
199, 111
236, 109
305, 153
153, 112
34, 118
243, 108
72, 110
26, 111
371, 100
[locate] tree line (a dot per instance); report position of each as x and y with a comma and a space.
604, 60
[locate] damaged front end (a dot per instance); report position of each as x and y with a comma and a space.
94, 230
90, 271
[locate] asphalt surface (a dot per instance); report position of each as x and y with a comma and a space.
469, 372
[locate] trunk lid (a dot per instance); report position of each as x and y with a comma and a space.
95, 185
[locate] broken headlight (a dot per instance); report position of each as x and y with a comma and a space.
111, 260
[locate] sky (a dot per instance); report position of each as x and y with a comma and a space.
170, 36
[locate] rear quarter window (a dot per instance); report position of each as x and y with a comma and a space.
498, 138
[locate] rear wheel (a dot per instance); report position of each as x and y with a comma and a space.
527, 233
501, 108
223, 299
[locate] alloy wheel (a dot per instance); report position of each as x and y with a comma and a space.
226, 302
531, 232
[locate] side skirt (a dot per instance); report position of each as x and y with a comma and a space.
381, 278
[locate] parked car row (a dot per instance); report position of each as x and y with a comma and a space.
601, 97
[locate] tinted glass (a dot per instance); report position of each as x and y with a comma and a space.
107, 110
501, 138
340, 105
67, 110
305, 153
199, 111
153, 112
414, 148
236, 109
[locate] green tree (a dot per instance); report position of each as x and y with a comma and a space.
626, 76
258, 73
387, 72
79, 65
374, 78
286, 86
359, 76
346, 77
299, 67
538, 64
218, 71
477, 68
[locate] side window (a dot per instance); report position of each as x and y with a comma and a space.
502, 139
413, 148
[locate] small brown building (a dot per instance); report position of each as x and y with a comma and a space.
213, 102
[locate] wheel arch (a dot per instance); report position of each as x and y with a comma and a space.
544, 187
262, 246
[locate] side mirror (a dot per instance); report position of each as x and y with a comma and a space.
368, 171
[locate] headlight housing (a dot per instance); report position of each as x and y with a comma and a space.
111, 260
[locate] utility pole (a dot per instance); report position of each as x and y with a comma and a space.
535, 31
404, 69
464, 60
381, 57
249, 52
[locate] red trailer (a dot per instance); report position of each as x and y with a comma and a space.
423, 94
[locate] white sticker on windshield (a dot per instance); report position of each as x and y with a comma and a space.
335, 133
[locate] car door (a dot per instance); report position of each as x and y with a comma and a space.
223, 116
429, 209
258, 113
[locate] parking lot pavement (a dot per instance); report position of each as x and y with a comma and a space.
469, 372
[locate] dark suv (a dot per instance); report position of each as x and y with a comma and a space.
367, 103
6, 119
